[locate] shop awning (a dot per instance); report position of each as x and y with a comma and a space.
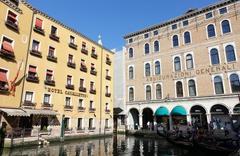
162, 111
178, 110
40, 112
14, 112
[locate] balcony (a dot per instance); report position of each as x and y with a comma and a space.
71, 65
15, 2
84, 51
108, 94
39, 30
32, 78
82, 89
29, 103
47, 105
4, 90
70, 86
68, 107
6, 54
83, 68
107, 111
93, 72
92, 91
81, 109
12, 25
54, 37
36, 53
108, 77
93, 55
91, 128
91, 110
52, 58
80, 130
49, 82
72, 45
108, 61
107, 127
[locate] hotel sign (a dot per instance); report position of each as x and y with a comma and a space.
187, 74
60, 91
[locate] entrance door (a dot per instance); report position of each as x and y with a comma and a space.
44, 123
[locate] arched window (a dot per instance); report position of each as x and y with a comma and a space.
192, 88
214, 56
218, 84
130, 72
156, 46
225, 27
175, 41
146, 47
158, 91
187, 37
211, 30
148, 92
230, 54
157, 68
147, 69
235, 83
177, 64
130, 52
179, 89
131, 94
189, 61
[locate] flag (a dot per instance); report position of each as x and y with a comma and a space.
13, 82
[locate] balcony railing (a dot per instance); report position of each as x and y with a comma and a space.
92, 91
6, 54
39, 30
15, 2
49, 82
47, 105
93, 72
52, 58
83, 68
4, 90
108, 61
92, 109
72, 45
12, 25
70, 86
108, 94
31, 78
54, 37
108, 77
81, 109
36, 53
71, 65
82, 89
91, 128
84, 51
93, 55
28, 103
80, 130
68, 107
107, 110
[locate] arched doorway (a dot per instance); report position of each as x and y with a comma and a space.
236, 118
179, 116
219, 116
198, 116
147, 116
162, 116
133, 119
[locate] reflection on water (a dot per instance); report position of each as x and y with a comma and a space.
112, 146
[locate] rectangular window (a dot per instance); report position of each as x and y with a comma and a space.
93, 50
72, 39
107, 89
7, 45
91, 104
84, 45
83, 63
174, 26
155, 32
49, 75
80, 123
32, 71
38, 23
12, 17
53, 30
107, 72
68, 101
146, 35
80, 103
35, 45
223, 10
185, 23
82, 83
3, 80
106, 123
91, 85
66, 123
107, 106
208, 15
51, 51
90, 124
130, 40
70, 58
29, 96
69, 80
46, 99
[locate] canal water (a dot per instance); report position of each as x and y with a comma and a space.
111, 146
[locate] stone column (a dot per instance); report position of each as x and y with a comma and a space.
140, 121
208, 119
189, 119
170, 122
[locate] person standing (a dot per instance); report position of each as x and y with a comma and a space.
3, 131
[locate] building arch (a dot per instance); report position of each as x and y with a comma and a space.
147, 118
133, 118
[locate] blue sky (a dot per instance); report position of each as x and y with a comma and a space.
114, 18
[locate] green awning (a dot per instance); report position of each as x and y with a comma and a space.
162, 111
178, 110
